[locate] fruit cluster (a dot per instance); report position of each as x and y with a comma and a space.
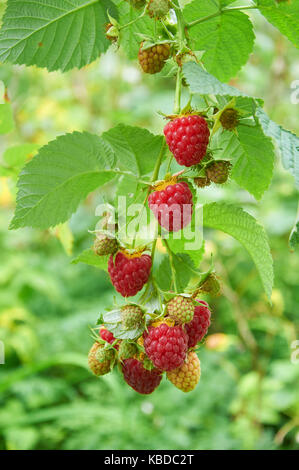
146, 344
164, 346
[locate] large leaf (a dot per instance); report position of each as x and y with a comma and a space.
226, 39
203, 83
135, 148
253, 168
287, 143
244, 228
53, 183
252, 155
54, 34
284, 16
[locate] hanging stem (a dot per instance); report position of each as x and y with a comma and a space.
173, 272
133, 21
178, 92
153, 179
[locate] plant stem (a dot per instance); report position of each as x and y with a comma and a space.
178, 92
217, 13
133, 21
158, 163
173, 273
153, 179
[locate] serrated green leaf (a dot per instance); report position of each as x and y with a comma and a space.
89, 257
203, 83
287, 142
244, 228
254, 160
7, 123
226, 39
136, 149
58, 178
294, 238
284, 16
56, 35
252, 155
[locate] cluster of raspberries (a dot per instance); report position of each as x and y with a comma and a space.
165, 346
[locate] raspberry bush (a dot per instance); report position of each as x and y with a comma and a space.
215, 134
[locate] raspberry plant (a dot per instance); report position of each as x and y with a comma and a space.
219, 134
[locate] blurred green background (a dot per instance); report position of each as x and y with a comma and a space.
248, 396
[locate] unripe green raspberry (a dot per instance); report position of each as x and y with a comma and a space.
127, 350
202, 181
218, 171
229, 119
138, 4
152, 59
158, 8
187, 376
104, 245
131, 317
180, 309
100, 359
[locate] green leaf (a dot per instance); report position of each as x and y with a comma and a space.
226, 39
244, 228
7, 123
136, 149
287, 142
252, 154
202, 83
55, 181
254, 160
294, 238
56, 35
129, 38
284, 16
183, 267
89, 257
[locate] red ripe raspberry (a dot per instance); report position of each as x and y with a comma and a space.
187, 138
198, 327
140, 379
106, 335
172, 206
166, 346
128, 273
